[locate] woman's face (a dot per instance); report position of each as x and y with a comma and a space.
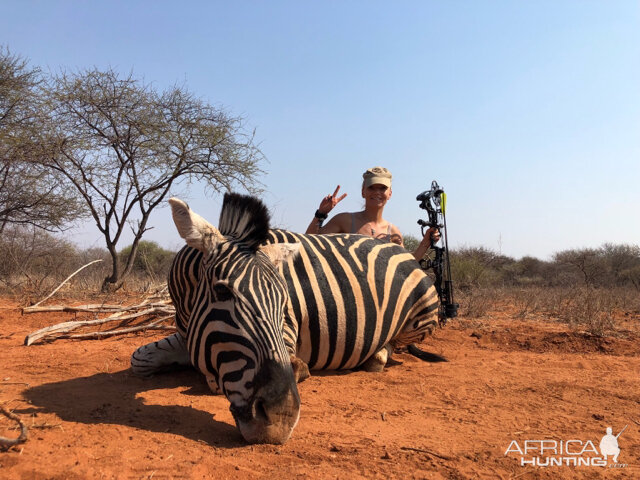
376, 194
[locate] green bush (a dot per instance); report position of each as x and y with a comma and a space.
151, 260
410, 242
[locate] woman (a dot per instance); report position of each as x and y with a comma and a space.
376, 191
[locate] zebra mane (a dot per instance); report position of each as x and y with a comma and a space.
245, 219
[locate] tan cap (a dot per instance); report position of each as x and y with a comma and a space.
377, 175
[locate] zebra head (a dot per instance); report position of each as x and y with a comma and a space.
234, 334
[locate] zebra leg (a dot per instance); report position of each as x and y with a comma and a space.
160, 356
377, 362
213, 385
416, 331
300, 369
290, 336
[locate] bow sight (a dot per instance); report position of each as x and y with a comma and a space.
434, 202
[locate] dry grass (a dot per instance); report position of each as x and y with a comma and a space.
588, 310
476, 302
27, 292
595, 311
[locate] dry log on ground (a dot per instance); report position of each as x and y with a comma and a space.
147, 315
110, 333
92, 308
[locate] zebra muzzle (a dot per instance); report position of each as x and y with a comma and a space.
273, 412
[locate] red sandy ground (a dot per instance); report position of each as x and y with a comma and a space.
505, 380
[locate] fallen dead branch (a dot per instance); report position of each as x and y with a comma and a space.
147, 315
92, 308
65, 281
7, 443
151, 326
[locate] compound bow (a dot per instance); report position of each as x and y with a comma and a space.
434, 202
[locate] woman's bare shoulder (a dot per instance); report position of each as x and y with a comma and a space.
344, 221
340, 223
394, 229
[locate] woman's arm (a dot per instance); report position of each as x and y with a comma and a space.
326, 205
425, 244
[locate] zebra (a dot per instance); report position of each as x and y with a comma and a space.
335, 302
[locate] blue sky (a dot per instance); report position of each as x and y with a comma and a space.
526, 112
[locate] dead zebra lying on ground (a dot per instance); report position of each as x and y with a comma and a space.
257, 308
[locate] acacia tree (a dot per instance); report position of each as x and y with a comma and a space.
30, 195
621, 262
586, 260
123, 146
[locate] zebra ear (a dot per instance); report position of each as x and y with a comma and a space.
279, 253
196, 231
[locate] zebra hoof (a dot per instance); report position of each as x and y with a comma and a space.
373, 365
300, 369
379, 360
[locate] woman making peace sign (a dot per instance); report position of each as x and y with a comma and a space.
376, 191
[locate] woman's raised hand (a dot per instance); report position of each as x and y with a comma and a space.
433, 235
330, 201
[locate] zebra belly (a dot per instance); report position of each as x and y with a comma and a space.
337, 354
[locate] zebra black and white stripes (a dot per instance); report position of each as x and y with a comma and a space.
249, 307
349, 296
172, 350
231, 302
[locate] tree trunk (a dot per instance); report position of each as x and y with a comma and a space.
111, 284
114, 281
